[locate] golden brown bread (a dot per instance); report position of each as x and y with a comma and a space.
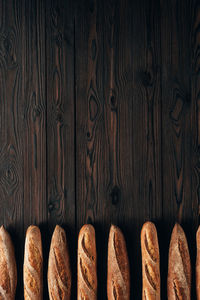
59, 273
87, 264
179, 267
198, 264
33, 265
150, 262
118, 279
8, 269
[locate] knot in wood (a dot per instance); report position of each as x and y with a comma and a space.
115, 195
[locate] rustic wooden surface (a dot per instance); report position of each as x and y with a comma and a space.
100, 123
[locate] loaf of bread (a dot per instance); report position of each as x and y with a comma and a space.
8, 269
118, 279
33, 265
59, 272
179, 266
150, 262
87, 264
198, 264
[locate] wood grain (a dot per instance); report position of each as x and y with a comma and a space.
60, 122
34, 95
90, 132
147, 119
176, 119
195, 124
11, 124
92, 165
176, 110
60, 112
118, 115
195, 108
34, 119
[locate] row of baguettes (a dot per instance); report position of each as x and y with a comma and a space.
118, 276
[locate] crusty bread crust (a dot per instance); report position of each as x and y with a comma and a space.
8, 269
118, 279
179, 266
33, 265
87, 264
150, 262
59, 272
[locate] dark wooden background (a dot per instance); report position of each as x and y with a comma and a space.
100, 123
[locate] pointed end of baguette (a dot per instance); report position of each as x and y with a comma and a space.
58, 228
87, 240
4, 232
87, 227
33, 230
58, 237
115, 229
2, 228
116, 232
148, 227
178, 232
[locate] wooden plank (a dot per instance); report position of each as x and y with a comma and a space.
146, 183
177, 116
60, 112
34, 97
195, 109
195, 123
121, 199
118, 91
60, 122
92, 162
34, 131
11, 126
89, 112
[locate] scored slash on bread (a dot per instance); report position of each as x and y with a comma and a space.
59, 272
198, 264
118, 277
87, 264
179, 266
150, 262
8, 269
33, 265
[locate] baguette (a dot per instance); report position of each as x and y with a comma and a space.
198, 264
59, 272
33, 265
118, 279
87, 264
8, 269
150, 262
179, 266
